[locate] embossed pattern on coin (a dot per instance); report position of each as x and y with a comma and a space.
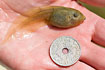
65, 51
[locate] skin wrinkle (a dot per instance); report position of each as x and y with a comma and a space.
3, 16
31, 4
14, 9
9, 13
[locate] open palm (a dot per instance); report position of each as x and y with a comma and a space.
30, 51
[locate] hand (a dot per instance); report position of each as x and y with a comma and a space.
30, 51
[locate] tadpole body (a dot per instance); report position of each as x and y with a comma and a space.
63, 17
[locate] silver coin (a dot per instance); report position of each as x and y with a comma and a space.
65, 51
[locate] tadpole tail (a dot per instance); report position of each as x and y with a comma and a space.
9, 34
31, 22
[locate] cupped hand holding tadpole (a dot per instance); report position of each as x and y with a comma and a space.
30, 51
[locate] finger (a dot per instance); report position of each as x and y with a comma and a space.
80, 66
100, 3
94, 56
99, 35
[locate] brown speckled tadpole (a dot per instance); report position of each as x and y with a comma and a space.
58, 16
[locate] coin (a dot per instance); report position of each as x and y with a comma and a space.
65, 51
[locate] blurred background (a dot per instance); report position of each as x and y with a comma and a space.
96, 10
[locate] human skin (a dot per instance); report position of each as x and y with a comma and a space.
30, 51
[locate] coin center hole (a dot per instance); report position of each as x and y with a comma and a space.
65, 50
